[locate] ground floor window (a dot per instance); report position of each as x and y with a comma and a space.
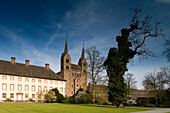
33, 95
12, 95
4, 95
26, 96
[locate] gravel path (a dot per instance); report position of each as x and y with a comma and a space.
159, 110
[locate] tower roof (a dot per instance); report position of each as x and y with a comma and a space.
82, 53
66, 49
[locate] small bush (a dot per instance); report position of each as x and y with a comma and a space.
66, 101
30, 99
8, 100
150, 105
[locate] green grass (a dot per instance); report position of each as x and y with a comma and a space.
61, 108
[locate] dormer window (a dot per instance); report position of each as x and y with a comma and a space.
67, 60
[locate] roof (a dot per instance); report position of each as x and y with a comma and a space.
74, 66
19, 69
99, 89
139, 93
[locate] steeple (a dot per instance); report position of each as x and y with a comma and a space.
66, 49
82, 53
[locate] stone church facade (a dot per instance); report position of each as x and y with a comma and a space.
75, 74
20, 82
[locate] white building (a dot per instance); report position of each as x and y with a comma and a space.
20, 82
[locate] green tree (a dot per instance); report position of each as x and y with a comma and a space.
130, 43
59, 96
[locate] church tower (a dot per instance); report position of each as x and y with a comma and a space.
76, 75
82, 62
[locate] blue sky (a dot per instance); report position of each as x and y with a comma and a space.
36, 29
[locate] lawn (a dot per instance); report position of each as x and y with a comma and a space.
60, 108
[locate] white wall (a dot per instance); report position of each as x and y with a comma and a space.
56, 84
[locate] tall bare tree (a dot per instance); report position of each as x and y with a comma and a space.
155, 83
95, 66
131, 42
131, 82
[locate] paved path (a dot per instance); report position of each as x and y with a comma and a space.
159, 110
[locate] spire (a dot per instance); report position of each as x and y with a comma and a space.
82, 54
66, 50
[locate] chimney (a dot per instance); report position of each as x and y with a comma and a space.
47, 66
27, 62
13, 60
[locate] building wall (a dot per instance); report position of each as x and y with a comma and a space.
49, 84
76, 78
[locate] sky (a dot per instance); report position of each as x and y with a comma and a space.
36, 30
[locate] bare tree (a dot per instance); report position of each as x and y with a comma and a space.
40, 95
131, 82
50, 96
95, 66
155, 83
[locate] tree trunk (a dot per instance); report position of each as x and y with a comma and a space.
93, 92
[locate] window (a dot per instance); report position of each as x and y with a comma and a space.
56, 82
67, 67
67, 60
33, 80
33, 88
39, 88
12, 95
72, 92
4, 86
33, 95
26, 88
19, 78
84, 64
77, 80
77, 75
45, 81
11, 78
12, 86
61, 89
26, 96
26, 79
4, 95
19, 87
61, 82
84, 71
45, 88
80, 75
72, 85
4, 77
39, 81
51, 82
77, 85
72, 74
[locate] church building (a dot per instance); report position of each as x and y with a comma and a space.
75, 74
20, 82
